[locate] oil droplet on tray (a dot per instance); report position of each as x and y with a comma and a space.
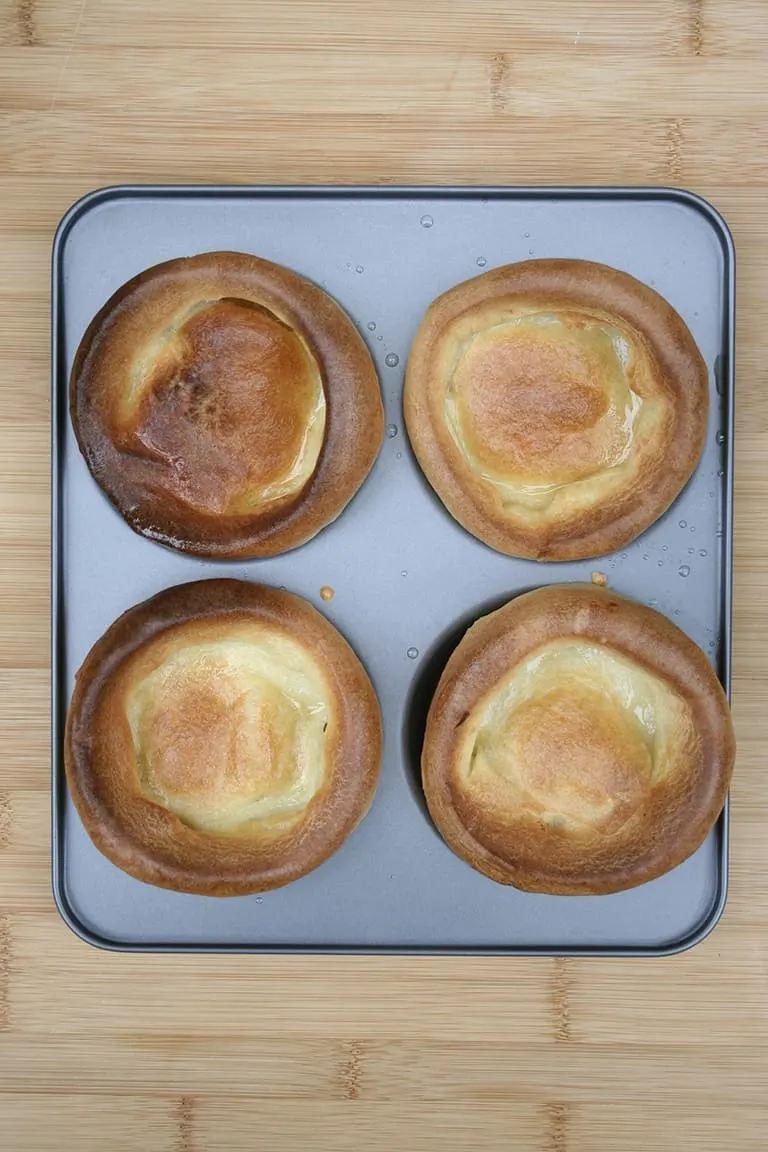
326, 593
721, 437
702, 552
391, 431
426, 221
371, 325
404, 572
684, 570
412, 653
481, 261
683, 523
392, 360
359, 268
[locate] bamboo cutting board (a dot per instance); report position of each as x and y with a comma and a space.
101, 1051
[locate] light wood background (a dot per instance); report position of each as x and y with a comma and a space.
101, 1051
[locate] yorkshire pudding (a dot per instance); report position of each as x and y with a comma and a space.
557, 407
578, 743
223, 738
226, 406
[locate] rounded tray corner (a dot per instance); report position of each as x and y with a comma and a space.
73, 921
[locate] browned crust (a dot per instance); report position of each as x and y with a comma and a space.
150, 842
354, 413
496, 644
681, 374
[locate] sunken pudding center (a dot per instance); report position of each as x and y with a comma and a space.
232, 733
228, 403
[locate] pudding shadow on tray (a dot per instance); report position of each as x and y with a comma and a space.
424, 685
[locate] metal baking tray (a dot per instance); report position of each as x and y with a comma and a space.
407, 578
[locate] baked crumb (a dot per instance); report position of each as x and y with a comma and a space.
599, 578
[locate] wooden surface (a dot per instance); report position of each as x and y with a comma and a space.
102, 1051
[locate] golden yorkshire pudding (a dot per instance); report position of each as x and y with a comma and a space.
226, 406
223, 738
557, 407
578, 743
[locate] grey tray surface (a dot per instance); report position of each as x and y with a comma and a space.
407, 579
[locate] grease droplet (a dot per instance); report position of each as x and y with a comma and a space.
693, 528
683, 523
721, 437
391, 431
530, 251
412, 653
661, 563
359, 268
652, 603
481, 261
702, 551
645, 555
392, 360
624, 555
426, 221
327, 593
379, 337
398, 455
259, 899
691, 551
404, 572
527, 235
665, 547
372, 326
683, 570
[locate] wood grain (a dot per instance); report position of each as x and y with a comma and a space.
195, 1054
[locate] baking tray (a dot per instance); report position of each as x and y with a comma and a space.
407, 578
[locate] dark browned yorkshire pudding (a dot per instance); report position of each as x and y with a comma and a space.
223, 738
226, 405
578, 743
557, 407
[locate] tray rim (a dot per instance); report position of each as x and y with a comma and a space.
59, 391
